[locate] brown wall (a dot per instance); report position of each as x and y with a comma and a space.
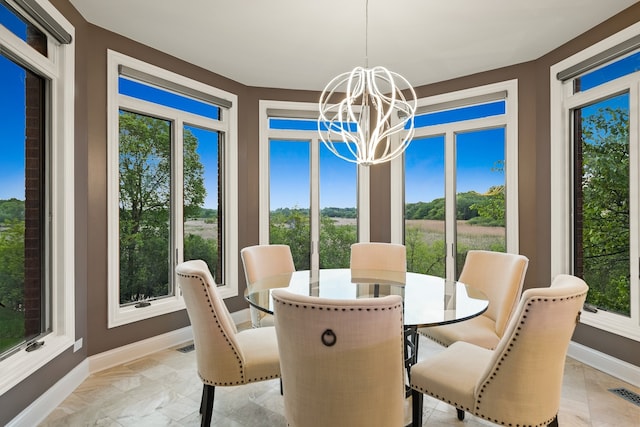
91, 185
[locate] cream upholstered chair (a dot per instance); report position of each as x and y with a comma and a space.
262, 261
519, 383
224, 356
378, 256
341, 360
500, 277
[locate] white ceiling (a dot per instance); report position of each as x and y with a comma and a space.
302, 44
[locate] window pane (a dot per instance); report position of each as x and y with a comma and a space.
306, 124
480, 195
293, 124
602, 255
23, 313
338, 208
202, 236
289, 198
145, 174
424, 227
169, 99
23, 29
619, 68
460, 114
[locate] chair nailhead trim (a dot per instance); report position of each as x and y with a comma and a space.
395, 307
219, 325
497, 368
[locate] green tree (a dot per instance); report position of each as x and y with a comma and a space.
12, 264
291, 227
145, 200
605, 211
11, 209
422, 256
491, 208
335, 243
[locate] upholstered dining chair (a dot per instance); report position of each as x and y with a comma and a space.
378, 256
224, 356
341, 360
519, 383
262, 261
500, 277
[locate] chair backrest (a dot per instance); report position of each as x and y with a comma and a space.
262, 261
523, 381
341, 361
218, 355
501, 277
378, 256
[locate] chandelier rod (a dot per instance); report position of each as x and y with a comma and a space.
366, 34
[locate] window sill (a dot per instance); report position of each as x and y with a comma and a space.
613, 323
119, 316
22, 364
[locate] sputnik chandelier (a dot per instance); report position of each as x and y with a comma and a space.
363, 122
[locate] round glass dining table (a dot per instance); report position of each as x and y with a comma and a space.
428, 300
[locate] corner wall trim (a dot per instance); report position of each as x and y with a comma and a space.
620, 369
40, 408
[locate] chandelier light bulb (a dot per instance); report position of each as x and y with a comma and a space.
372, 110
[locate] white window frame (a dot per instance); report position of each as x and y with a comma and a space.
267, 134
510, 122
120, 315
59, 68
562, 100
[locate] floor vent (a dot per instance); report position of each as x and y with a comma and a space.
187, 348
627, 395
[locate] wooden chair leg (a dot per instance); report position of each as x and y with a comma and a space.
207, 411
416, 403
554, 422
460, 414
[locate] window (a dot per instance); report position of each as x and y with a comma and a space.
455, 186
595, 170
36, 190
308, 196
172, 177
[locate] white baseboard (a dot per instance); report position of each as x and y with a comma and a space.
136, 350
615, 367
35, 413
241, 316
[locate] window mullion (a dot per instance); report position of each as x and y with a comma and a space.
314, 219
450, 204
634, 202
176, 218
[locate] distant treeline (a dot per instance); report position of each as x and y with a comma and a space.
328, 212
11, 209
466, 203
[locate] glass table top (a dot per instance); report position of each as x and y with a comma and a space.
428, 300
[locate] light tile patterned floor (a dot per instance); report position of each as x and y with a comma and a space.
164, 390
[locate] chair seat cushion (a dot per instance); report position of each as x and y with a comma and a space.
435, 376
260, 349
479, 331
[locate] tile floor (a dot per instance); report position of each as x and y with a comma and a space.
163, 389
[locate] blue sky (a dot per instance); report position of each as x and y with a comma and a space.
12, 132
